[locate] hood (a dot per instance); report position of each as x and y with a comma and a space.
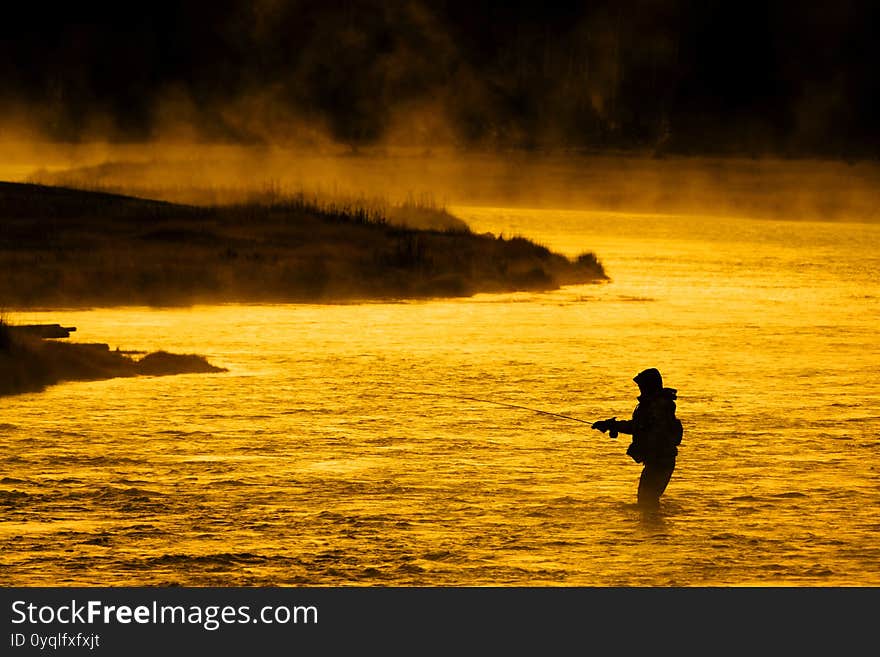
649, 380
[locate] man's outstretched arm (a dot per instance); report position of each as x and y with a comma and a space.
624, 426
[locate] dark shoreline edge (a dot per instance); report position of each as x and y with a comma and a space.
62, 247
31, 364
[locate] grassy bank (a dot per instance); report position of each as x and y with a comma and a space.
66, 247
30, 364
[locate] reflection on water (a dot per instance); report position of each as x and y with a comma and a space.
312, 462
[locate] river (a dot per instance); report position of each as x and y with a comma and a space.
346, 444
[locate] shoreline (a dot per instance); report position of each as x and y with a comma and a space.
29, 363
61, 247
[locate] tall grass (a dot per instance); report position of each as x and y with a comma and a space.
414, 210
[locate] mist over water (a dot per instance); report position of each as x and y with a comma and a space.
318, 459
200, 173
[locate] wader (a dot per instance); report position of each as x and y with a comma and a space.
654, 479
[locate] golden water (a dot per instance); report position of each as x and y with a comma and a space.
316, 461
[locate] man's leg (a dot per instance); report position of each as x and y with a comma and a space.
655, 477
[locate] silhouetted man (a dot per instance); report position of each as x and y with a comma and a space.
656, 434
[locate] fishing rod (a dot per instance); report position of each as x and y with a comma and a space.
497, 403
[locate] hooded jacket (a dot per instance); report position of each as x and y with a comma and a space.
656, 432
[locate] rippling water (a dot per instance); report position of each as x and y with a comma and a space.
319, 459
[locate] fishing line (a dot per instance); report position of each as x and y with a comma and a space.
497, 403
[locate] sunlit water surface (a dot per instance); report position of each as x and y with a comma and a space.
338, 450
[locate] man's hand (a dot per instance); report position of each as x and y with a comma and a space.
607, 425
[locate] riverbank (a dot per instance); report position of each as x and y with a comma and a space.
29, 363
63, 247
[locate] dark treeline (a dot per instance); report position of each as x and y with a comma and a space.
710, 76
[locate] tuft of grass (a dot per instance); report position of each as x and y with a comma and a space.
588, 260
160, 363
